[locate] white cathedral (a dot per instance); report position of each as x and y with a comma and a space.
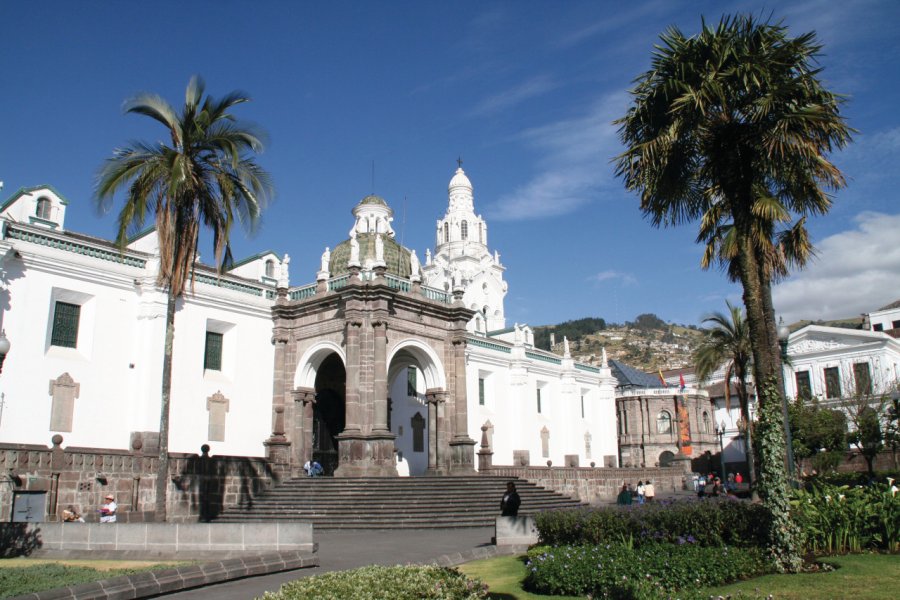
384, 364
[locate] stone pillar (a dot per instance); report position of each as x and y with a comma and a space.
352, 396
461, 446
304, 401
278, 448
436, 398
380, 392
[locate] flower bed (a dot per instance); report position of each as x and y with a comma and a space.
377, 583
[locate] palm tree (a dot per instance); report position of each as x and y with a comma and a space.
722, 124
728, 342
206, 175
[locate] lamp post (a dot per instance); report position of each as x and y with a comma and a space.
720, 432
783, 334
4, 348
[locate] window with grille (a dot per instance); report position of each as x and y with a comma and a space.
539, 400
863, 377
804, 388
481, 391
65, 325
446, 232
43, 208
411, 382
664, 422
832, 382
212, 357
464, 230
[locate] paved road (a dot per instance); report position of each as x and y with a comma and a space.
341, 550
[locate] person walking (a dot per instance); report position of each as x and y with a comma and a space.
509, 504
641, 492
649, 491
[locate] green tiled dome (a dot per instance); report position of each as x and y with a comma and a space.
396, 256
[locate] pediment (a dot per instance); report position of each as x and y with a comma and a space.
830, 339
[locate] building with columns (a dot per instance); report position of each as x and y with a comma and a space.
384, 364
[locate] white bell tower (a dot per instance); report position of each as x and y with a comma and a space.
462, 259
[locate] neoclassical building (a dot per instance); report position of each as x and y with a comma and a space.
384, 364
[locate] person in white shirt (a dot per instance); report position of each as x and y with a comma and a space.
108, 509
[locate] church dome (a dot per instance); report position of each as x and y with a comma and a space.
460, 182
396, 257
371, 200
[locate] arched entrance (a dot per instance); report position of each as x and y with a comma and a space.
666, 458
329, 412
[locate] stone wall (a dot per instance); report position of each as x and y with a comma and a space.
593, 485
200, 486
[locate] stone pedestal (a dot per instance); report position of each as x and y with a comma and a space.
366, 455
462, 456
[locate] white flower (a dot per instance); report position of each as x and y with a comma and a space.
890, 480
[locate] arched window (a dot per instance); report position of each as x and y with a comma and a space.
464, 230
43, 208
664, 422
270, 268
706, 427
446, 232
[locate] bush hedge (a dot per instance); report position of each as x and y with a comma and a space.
710, 522
384, 583
652, 570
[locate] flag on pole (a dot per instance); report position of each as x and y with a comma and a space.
681, 381
662, 380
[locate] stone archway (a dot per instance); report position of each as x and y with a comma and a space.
329, 412
415, 375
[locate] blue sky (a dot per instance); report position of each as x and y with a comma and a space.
525, 92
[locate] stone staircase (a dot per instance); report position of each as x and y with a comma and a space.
393, 502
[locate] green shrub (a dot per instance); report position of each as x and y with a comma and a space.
650, 571
838, 519
17, 581
383, 583
711, 522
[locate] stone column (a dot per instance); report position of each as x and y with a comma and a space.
304, 400
461, 446
435, 398
278, 448
352, 397
380, 392
485, 455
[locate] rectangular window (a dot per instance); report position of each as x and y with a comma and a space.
411, 382
832, 382
895, 324
804, 388
539, 400
582, 406
863, 378
212, 358
65, 325
877, 327
481, 391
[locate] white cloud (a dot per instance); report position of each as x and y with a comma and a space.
574, 166
535, 86
856, 271
602, 276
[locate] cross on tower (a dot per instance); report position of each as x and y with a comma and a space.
459, 162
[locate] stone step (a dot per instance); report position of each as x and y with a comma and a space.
393, 502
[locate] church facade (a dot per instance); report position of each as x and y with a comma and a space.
384, 364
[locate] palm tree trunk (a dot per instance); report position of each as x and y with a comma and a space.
162, 471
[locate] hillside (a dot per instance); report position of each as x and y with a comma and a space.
647, 343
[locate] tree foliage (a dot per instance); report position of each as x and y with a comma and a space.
574, 330
817, 433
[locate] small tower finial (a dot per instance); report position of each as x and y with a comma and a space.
459, 162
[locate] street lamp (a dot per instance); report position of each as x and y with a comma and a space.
4, 348
783, 334
720, 431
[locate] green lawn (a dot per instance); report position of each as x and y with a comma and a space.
859, 577
25, 575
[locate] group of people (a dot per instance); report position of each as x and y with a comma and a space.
107, 512
712, 485
643, 492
